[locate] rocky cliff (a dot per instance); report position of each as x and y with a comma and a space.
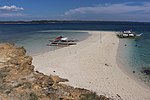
19, 81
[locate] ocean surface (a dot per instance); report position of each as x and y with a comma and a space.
135, 53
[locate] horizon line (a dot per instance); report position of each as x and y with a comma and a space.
74, 21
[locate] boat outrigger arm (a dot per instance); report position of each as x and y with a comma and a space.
62, 41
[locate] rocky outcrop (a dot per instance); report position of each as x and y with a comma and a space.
146, 71
19, 81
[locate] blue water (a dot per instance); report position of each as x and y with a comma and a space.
34, 38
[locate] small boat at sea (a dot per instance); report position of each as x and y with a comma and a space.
62, 41
128, 34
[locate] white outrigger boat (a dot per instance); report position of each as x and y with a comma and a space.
128, 34
62, 41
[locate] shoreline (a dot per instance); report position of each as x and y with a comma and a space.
129, 70
92, 65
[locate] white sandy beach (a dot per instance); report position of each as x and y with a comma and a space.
91, 64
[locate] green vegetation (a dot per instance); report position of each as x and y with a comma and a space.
90, 96
33, 96
93, 96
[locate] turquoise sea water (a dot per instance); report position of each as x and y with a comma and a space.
36, 43
34, 37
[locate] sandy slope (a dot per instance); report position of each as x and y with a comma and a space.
92, 64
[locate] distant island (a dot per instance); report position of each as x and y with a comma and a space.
60, 21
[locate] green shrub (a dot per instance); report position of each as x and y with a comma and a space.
33, 96
89, 96
93, 96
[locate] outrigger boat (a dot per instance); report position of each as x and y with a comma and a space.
62, 41
128, 34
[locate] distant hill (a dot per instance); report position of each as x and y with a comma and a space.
58, 21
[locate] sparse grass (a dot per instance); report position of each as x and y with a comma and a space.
27, 85
33, 96
93, 96
89, 96
18, 85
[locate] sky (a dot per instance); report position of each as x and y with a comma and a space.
91, 10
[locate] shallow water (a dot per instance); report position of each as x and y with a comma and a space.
37, 43
130, 58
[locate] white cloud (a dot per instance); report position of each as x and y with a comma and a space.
10, 9
124, 11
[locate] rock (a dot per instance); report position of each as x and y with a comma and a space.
28, 59
147, 72
6, 46
20, 51
57, 79
106, 65
119, 96
44, 81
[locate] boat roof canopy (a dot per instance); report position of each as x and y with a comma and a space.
127, 32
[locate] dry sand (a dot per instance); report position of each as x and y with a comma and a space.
91, 64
